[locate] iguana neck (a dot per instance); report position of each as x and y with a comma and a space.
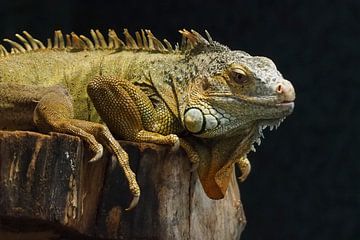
217, 158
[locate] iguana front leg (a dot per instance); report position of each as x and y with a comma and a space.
54, 112
129, 113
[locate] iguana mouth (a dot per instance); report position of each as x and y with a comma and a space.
270, 101
286, 104
280, 108
265, 101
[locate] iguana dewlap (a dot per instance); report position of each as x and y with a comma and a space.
212, 101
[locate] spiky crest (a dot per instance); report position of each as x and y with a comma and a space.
144, 40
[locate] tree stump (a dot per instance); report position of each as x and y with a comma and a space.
48, 187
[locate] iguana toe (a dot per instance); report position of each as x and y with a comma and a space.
98, 154
175, 141
245, 168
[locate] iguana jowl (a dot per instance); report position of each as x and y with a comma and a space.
202, 96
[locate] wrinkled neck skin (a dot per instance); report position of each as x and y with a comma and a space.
233, 137
219, 149
217, 158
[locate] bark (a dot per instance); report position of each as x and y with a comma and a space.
47, 186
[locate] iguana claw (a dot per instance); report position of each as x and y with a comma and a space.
98, 155
245, 168
133, 203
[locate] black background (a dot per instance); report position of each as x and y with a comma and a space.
305, 178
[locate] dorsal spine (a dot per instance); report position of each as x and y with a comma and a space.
143, 41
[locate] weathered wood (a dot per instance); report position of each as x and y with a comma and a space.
46, 179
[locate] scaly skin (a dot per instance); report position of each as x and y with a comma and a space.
216, 100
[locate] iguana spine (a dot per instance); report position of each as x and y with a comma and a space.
144, 41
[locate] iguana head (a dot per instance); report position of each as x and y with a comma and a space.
230, 98
233, 91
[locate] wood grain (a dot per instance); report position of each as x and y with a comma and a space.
45, 180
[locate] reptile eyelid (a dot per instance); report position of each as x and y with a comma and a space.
239, 71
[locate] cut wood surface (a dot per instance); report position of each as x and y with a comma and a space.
47, 187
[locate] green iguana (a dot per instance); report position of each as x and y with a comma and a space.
202, 96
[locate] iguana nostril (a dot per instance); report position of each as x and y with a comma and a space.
279, 88
286, 91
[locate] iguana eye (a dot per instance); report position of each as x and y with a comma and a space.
239, 76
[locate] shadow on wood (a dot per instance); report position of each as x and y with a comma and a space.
48, 187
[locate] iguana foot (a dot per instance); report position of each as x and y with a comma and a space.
245, 168
54, 112
151, 137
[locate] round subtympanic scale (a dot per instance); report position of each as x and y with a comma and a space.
194, 120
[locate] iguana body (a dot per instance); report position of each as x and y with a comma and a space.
74, 71
217, 100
